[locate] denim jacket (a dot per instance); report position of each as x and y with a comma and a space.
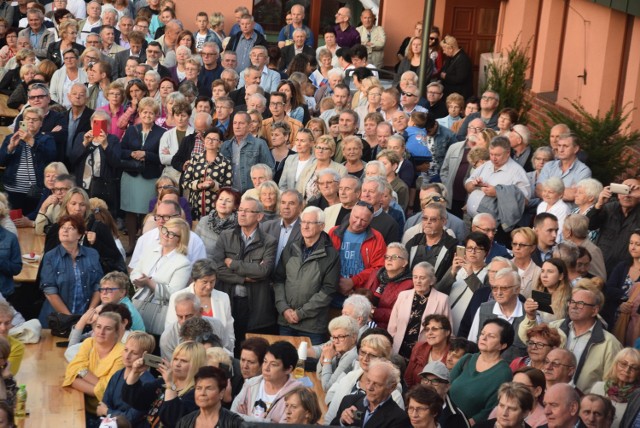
254, 151
10, 261
57, 277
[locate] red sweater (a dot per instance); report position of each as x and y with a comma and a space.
387, 299
419, 358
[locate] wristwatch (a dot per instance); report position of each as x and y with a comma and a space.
82, 373
173, 387
326, 360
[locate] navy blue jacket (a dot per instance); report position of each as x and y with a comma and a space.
43, 151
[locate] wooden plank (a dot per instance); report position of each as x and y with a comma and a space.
5, 111
48, 403
29, 243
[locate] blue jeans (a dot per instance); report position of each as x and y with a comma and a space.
316, 338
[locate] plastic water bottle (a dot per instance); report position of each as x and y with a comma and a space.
21, 402
302, 357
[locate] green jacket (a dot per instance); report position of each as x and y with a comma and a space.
307, 286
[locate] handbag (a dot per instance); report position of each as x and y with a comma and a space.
153, 308
61, 324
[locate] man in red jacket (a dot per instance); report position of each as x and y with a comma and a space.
361, 248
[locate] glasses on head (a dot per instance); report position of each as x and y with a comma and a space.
626, 366
164, 217
169, 234
367, 356
365, 204
556, 364
340, 338
393, 257
580, 304
536, 345
108, 290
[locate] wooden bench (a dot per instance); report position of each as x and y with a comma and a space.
48, 403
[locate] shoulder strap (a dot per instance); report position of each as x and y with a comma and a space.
441, 256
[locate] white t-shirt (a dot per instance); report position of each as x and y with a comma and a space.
263, 402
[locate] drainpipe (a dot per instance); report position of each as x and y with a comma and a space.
427, 23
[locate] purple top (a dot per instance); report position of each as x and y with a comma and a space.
348, 37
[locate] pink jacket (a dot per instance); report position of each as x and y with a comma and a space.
438, 303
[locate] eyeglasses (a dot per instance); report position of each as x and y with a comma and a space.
626, 366
92, 59
475, 129
556, 364
486, 231
340, 338
366, 205
246, 211
433, 381
487, 98
433, 329
169, 234
433, 93
520, 245
212, 140
60, 189
164, 217
208, 54
430, 219
322, 149
309, 223
500, 289
580, 304
393, 257
37, 97
473, 249
536, 345
109, 290
367, 356
165, 186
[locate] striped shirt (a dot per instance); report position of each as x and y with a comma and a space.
26, 174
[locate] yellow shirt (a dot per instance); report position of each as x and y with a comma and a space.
103, 369
16, 354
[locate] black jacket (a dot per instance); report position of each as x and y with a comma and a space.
109, 167
132, 141
233, 43
388, 415
459, 75
184, 152
420, 254
84, 125
122, 57
54, 54
288, 52
226, 419
141, 396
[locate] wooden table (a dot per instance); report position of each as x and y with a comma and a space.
49, 404
296, 341
5, 111
29, 243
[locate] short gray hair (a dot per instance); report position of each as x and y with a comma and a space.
259, 206
266, 168
568, 252
346, 323
382, 171
188, 297
202, 268
329, 171
442, 210
482, 216
555, 184
591, 187
294, 192
428, 268
504, 260
578, 224
378, 180
523, 132
398, 246
361, 306
509, 273
314, 210
393, 373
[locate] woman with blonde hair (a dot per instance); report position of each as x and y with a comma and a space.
171, 396
411, 60
269, 196
374, 96
457, 70
523, 243
165, 269
324, 150
620, 382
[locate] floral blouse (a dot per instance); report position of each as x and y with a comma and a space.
202, 200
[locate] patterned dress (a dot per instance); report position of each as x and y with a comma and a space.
201, 200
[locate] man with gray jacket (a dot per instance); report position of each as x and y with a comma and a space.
305, 279
244, 258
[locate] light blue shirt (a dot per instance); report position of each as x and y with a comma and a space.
351, 262
576, 172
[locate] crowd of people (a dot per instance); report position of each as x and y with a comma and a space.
446, 273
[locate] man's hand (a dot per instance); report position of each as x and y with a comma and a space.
489, 190
345, 285
227, 262
291, 316
348, 416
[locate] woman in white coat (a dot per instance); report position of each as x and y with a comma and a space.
171, 140
213, 303
66, 76
165, 269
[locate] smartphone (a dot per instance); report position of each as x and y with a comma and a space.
460, 250
98, 126
358, 416
23, 125
620, 189
151, 360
